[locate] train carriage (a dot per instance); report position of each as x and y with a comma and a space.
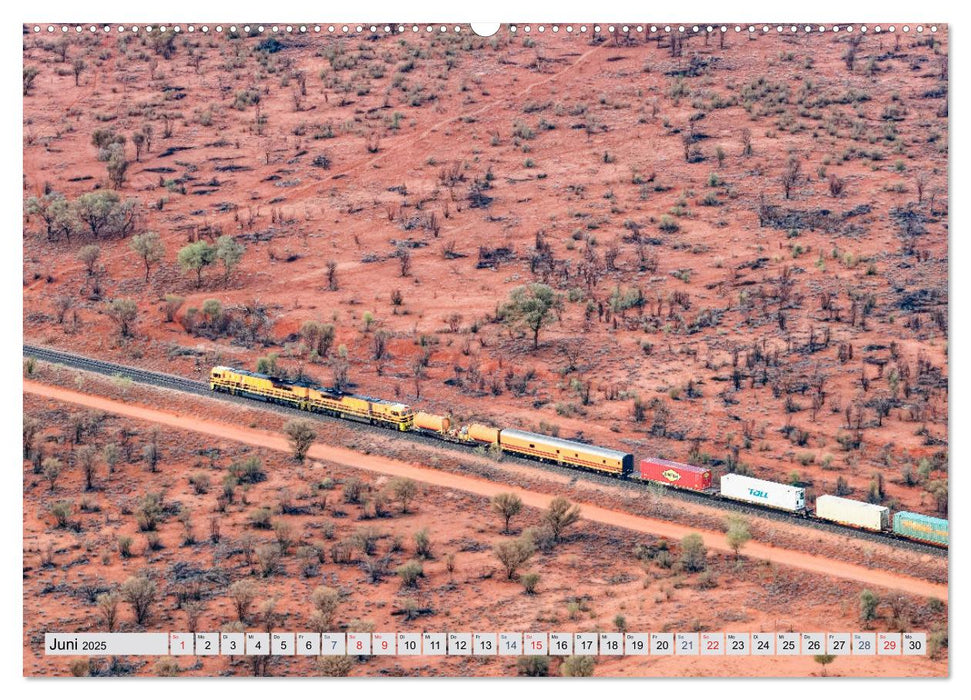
559, 451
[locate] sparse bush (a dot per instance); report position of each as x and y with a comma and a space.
512, 554
507, 505
694, 554
301, 435
410, 572
141, 593
560, 515
530, 581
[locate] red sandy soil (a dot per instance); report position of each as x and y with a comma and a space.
592, 567
602, 178
393, 468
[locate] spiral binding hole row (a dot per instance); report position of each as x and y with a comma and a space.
513, 28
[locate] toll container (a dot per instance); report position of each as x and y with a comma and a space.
921, 527
429, 421
856, 513
483, 433
766, 493
683, 476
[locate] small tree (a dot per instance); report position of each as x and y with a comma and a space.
138, 138
318, 337
243, 593
117, 166
104, 213
123, 312
195, 257
404, 491
108, 609
560, 515
694, 554
824, 660
86, 460
737, 533
150, 248
325, 601
533, 307
512, 554
868, 607
52, 468
140, 593
301, 434
89, 256
332, 275
790, 175
229, 253
507, 505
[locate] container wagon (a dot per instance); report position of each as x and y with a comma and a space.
765, 493
682, 476
855, 513
578, 454
921, 527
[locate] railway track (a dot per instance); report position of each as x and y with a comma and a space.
182, 384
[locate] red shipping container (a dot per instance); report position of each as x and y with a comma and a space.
684, 476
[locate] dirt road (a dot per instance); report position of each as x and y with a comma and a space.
384, 465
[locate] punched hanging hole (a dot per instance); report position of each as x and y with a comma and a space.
485, 28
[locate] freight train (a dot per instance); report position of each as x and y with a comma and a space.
397, 416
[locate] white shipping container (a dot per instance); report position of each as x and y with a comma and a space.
766, 493
855, 513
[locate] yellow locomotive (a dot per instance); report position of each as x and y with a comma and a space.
308, 397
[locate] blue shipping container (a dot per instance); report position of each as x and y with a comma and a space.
921, 527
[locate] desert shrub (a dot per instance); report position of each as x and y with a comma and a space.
124, 546
512, 554
694, 554
141, 593
301, 435
410, 572
533, 665
268, 559
423, 544
61, 510
577, 666
199, 482
507, 505
242, 593
248, 471
530, 581
261, 517
560, 515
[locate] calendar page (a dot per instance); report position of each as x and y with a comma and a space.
437, 349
